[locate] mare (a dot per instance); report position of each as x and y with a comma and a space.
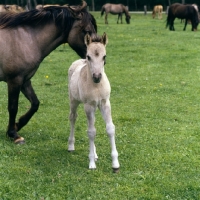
88, 84
115, 9
26, 39
187, 12
158, 9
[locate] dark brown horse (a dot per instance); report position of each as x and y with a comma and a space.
115, 9
25, 40
187, 12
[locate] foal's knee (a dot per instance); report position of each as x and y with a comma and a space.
91, 133
72, 116
110, 128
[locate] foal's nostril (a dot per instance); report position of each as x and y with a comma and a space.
97, 77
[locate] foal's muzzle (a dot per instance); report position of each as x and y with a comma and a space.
96, 77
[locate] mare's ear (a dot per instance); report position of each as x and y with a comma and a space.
104, 39
87, 39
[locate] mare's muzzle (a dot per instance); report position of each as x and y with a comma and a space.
96, 77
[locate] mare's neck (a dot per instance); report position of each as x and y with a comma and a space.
48, 38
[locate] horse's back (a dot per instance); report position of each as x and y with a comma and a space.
114, 8
182, 11
75, 69
74, 78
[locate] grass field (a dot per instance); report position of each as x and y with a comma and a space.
154, 75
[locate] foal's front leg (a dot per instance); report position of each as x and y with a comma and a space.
110, 128
90, 113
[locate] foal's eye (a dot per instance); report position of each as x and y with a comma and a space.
104, 58
88, 57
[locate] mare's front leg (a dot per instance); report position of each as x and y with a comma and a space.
29, 93
90, 113
110, 128
14, 86
72, 118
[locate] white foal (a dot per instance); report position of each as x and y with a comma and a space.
88, 84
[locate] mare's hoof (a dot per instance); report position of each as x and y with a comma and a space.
115, 170
19, 140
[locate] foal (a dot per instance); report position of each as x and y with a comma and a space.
88, 84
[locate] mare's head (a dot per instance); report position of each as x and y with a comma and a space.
84, 24
72, 23
96, 55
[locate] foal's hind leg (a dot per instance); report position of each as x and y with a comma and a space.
110, 128
72, 118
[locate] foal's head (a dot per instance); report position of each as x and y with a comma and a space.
96, 55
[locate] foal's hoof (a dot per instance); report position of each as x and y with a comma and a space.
115, 170
19, 140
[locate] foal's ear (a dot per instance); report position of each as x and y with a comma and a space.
87, 39
104, 39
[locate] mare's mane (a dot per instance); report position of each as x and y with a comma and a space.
62, 16
96, 38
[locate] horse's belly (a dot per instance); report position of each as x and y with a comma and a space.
115, 13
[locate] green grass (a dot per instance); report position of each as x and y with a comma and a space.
154, 75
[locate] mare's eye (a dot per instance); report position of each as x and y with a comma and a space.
88, 57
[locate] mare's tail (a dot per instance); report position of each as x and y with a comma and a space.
102, 11
167, 21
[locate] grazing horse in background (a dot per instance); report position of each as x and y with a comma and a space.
11, 8
115, 9
158, 9
88, 84
187, 12
26, 39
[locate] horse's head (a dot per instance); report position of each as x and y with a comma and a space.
96, 55
195, 19
128, 17
84, 24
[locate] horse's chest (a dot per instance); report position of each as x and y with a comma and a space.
94, 93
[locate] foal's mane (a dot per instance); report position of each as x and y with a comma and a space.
63, 17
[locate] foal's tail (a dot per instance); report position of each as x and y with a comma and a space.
102, 11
